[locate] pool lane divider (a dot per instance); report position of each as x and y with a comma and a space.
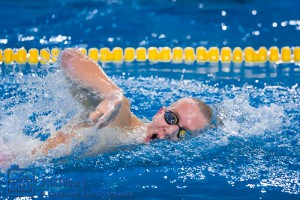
162, 54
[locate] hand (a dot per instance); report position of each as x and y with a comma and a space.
107, 110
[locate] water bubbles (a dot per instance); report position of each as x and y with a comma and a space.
200, 6
263, 190
33, 108
284, 23
257, 147
3, 41
110, 39
254, 12
256, 33
162, 36
224, 27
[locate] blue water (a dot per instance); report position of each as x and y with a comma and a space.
254, 156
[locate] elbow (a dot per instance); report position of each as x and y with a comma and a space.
126, 102
68, 56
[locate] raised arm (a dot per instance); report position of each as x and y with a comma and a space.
114, 109
84, 71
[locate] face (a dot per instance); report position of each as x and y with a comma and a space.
189, 117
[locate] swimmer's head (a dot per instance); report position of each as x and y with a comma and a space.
185, 117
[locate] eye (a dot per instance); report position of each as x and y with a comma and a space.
181, 134
171, 118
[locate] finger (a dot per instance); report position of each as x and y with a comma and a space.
100, 110
96, 114
102, 125
102, 121
108, 117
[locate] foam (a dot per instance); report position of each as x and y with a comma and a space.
257, 143
45, 107
38, 106
240, 118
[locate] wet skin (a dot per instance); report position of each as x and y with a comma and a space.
190, 119
114, 109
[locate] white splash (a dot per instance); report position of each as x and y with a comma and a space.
242, 119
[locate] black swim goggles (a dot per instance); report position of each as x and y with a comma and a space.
172, 119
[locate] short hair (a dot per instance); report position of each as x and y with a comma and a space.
205, 109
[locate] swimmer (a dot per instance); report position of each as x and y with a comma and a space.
177, 122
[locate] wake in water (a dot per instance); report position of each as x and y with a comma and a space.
37, 105
259, 132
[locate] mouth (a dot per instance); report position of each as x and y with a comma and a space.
152, 137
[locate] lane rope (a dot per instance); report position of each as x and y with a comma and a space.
158, 54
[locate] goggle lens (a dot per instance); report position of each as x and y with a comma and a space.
171, 118
182, 134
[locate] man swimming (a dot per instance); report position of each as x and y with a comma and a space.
181, 119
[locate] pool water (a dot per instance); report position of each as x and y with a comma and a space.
255, 155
